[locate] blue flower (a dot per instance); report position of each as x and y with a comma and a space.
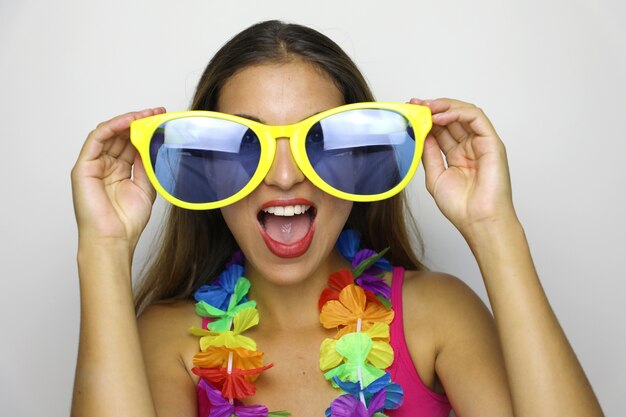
393, 392
219, 292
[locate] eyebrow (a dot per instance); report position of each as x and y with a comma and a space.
256, 119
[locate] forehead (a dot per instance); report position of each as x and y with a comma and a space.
279, 94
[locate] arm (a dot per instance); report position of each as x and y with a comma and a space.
111, 211
472, 189
452, 337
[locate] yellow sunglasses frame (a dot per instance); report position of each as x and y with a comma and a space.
141, 132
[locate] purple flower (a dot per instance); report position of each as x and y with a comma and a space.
375, 285
220, 407
349, 406
377, 268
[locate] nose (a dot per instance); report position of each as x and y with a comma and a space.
284, 172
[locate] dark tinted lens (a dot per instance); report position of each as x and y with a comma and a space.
201, 159
362, 152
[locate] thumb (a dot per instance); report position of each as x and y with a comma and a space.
140, 178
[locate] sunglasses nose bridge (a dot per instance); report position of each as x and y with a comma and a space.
278, 132
284, 171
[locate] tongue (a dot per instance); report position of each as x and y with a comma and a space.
287, 229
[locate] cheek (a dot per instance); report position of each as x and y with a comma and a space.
339, 210
235, 220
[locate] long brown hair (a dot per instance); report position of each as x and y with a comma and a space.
194, 245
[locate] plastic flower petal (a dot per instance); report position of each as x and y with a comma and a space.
352, 306
349, 406
337, 281
329, 357
218, 357
221, 407
233, 384
340, 279
374, 284
394, 394
359, 348
379, 332
377, 267
225, 317
219, 292
394, 397
233, 338
348, 243
355, 349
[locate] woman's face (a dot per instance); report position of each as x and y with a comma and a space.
293, 246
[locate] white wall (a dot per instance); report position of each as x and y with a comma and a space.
549, 74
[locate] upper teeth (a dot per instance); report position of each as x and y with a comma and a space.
286, 210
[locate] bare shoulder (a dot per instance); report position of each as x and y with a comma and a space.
163, 329
167, 317
446, 319
436, 308
168, 349
442, 299
446, 307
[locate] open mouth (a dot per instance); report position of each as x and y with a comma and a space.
287, 227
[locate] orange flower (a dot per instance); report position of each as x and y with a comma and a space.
352, 306
337, 281
217, 357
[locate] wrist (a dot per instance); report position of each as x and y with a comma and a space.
105, 244
492, 231
104, 254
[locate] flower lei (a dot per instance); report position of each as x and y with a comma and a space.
356, 303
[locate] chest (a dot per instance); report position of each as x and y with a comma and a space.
295, 382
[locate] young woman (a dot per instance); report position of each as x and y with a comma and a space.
423, 331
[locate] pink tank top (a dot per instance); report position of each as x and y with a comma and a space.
419, 400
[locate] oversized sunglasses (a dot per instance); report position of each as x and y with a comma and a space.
205, 160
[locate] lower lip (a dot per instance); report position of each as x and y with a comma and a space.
292, 250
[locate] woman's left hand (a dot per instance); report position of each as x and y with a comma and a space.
466, 166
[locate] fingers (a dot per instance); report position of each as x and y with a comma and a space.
461, 119
455, 121
112, 136
444, 137
433, 162
140, 178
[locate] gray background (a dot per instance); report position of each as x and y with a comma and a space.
549, 74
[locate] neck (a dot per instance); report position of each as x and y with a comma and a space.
295, 304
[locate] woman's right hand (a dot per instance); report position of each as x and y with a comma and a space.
112, 194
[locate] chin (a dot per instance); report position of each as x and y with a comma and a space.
288, 239
319, 260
